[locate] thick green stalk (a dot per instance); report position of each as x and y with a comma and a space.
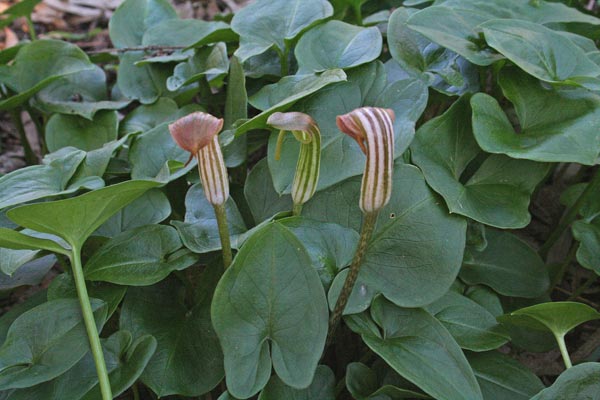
297, 210
571, 215
223, 233
563, 351
366, 233
90, 325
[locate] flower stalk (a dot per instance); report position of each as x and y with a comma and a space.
198, 134
372, 128
306, 131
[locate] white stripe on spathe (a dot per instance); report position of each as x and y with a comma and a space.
213, 173
372, 128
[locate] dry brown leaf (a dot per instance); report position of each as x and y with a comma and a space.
10, 38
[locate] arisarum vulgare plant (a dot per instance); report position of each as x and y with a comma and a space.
373, 130
306, 131
198, 133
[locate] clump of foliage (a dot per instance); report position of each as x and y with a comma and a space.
490, 101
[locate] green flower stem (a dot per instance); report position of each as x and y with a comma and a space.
297, 210
563, 350
366, 233
90, 325
570, 216
223, 233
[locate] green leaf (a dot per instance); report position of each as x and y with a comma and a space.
281, 95
83, 93
588, 235
321, 388
558, 317
75, 219
275, 23
150, 208
486, 298
263, 201
416, 243
31, 273
188, 359
15, 240
150, 154
415, 345
72, 130
134, 17
148, 116
131, 359
361, 297
236, 108
59, 343
554, 124
336, 44
500, 377
473, 327
10, 259
145, 83
541, 12
508, 265
442, 69
38, 181
458, 32
209, 62
63, 287
541, 52
330, 247
496, 194
40, 63
199, 231
281, 322
125, 362
20, 9
188, 33
364, 384
579, 382
341, 157
139, 257
18, 309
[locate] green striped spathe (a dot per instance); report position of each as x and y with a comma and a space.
306, 131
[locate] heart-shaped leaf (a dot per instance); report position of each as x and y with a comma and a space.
364, 384
554, 124
188, 359
274, 23
59, 343
541, 52
415, 345
414, 233
336, 44
258, 326
72, 130
321, 388
496, 194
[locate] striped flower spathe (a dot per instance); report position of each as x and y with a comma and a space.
372, 128
198, 133
306, 131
